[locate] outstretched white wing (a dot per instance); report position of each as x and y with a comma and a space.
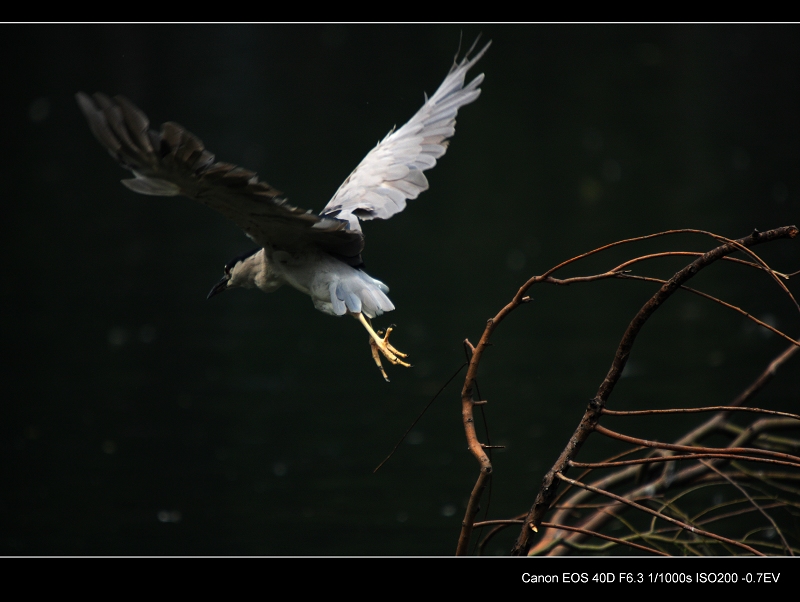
391, 172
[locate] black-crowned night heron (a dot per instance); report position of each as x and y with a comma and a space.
319, 255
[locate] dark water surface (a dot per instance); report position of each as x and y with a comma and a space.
139, 418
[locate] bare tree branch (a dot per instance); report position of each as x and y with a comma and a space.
596, 406
660, 515
703, 462
753, 502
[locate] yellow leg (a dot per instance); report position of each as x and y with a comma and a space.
380, 345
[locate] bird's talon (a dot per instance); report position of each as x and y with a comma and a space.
389, 351
391, 348
377, 357
379, 345
388, 345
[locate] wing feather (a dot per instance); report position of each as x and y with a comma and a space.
173, 161
391, 172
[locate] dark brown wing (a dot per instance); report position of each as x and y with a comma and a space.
174, 161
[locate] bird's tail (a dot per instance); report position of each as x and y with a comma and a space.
359, 292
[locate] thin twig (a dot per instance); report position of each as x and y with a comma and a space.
657, 514
502, 521
722, 455
418, 418
608, 412
635, 260
615, 540
563, 492
716, 300
753, 502
793, 460
696, 473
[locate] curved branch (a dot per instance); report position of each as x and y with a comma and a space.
792, 460
720, 455
608, 412
715, 300
597, 404
668, 478
753, 502
657, 514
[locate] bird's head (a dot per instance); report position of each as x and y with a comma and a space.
240, 271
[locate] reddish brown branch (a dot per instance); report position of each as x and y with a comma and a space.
766, 376
622, 542
759, 383
608, 412
593, 412
696, 473
721, 454
660, 515
688, 474
636, 260
475, 446
738, 310
631, 240
794, 460
662, 531
752, 502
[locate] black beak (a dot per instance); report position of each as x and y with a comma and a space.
219, 286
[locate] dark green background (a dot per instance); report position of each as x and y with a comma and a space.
139, 418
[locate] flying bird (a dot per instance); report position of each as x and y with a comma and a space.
319, 255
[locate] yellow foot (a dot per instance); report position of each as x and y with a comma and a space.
380, 345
